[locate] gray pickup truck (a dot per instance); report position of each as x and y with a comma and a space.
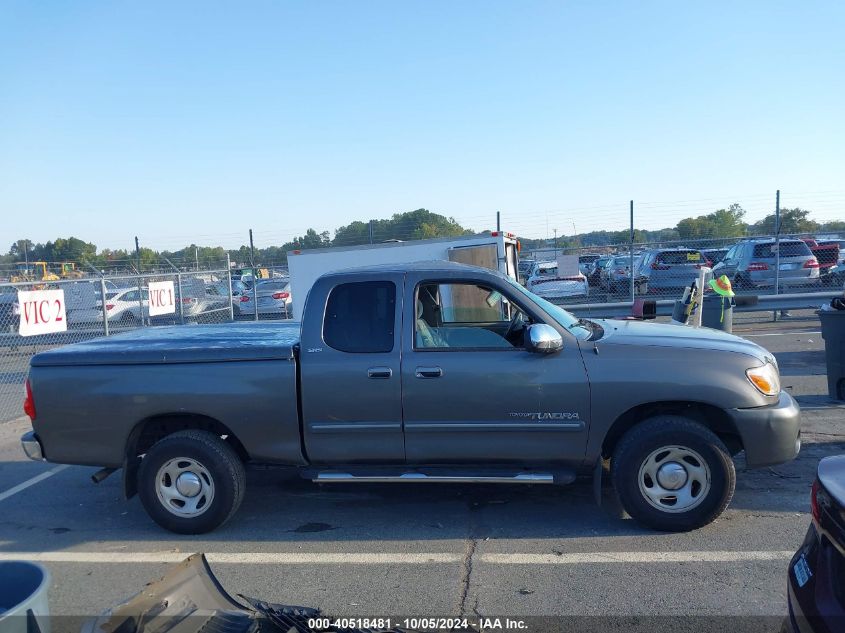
425, 372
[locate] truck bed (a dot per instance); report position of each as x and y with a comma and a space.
89, 397
180, 344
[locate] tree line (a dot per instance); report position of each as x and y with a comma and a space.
722, 224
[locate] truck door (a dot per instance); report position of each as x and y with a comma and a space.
472, 393
349, 370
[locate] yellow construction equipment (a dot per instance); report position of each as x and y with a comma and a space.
67, 270
33, 271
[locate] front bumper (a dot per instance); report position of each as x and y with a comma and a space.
771, 434
32, 446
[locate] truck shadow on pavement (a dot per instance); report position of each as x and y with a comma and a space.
66, 510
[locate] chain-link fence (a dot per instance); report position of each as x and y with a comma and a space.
761, 265
111, 304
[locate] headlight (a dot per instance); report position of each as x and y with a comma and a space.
766, 379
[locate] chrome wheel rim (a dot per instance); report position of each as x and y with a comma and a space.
674, 479
185, 487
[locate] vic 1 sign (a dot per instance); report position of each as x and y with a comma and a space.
162, 298
42, 312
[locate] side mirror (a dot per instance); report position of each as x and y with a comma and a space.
543, 339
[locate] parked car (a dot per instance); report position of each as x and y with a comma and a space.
668, 270
836, 276
273, 297
840, 245
433, 371
714, 255
827, 254
524, 266
545, 282
586, 263
615, 274
816, 585
751, 264
594, 276
123, 305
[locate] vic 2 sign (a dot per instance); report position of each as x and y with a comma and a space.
42, 312
162, 298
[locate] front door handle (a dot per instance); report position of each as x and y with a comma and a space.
379, 372
428, 372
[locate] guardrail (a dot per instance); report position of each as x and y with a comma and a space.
744, 303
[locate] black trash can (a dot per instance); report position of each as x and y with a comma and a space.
833, 333
718, 313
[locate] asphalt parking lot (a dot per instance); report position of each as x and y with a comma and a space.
362, 550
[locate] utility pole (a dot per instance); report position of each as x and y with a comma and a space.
197, 257
555, 230
498, 221
370, 230
140, 283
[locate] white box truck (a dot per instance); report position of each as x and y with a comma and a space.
496, 250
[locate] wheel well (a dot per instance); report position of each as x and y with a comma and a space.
708, 415
149, 431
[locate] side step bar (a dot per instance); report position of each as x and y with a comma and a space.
414, 477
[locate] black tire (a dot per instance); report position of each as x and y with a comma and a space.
640, 442
221, 464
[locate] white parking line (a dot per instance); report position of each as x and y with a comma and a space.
399, 558
580, 558
777, 334
31, 482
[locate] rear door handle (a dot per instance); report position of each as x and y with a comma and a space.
428, 372
379, 372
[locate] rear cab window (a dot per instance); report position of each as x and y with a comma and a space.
360, 317
787, 249
680, 258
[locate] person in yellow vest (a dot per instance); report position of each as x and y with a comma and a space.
722, 287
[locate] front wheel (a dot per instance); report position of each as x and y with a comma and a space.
673, 474
191, 482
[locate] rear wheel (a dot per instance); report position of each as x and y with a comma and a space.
191, 482
673, 474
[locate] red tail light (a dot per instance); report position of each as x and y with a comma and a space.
189, 300
281, 295
811, 263
109, 306
29, 403
814, 502
656, 266
757, 266
244, 298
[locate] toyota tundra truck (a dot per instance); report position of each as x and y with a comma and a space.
422, 372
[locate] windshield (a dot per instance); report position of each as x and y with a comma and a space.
579, 328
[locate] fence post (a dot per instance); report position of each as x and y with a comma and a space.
141, 299
631, 252
229, 276
103, 306
181, 303
777, 249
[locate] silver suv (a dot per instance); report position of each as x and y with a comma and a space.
668, 269
751, 264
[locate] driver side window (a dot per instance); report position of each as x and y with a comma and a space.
466, 316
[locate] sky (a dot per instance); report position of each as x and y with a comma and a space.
185, 122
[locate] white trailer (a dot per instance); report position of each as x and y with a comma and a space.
497, 250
